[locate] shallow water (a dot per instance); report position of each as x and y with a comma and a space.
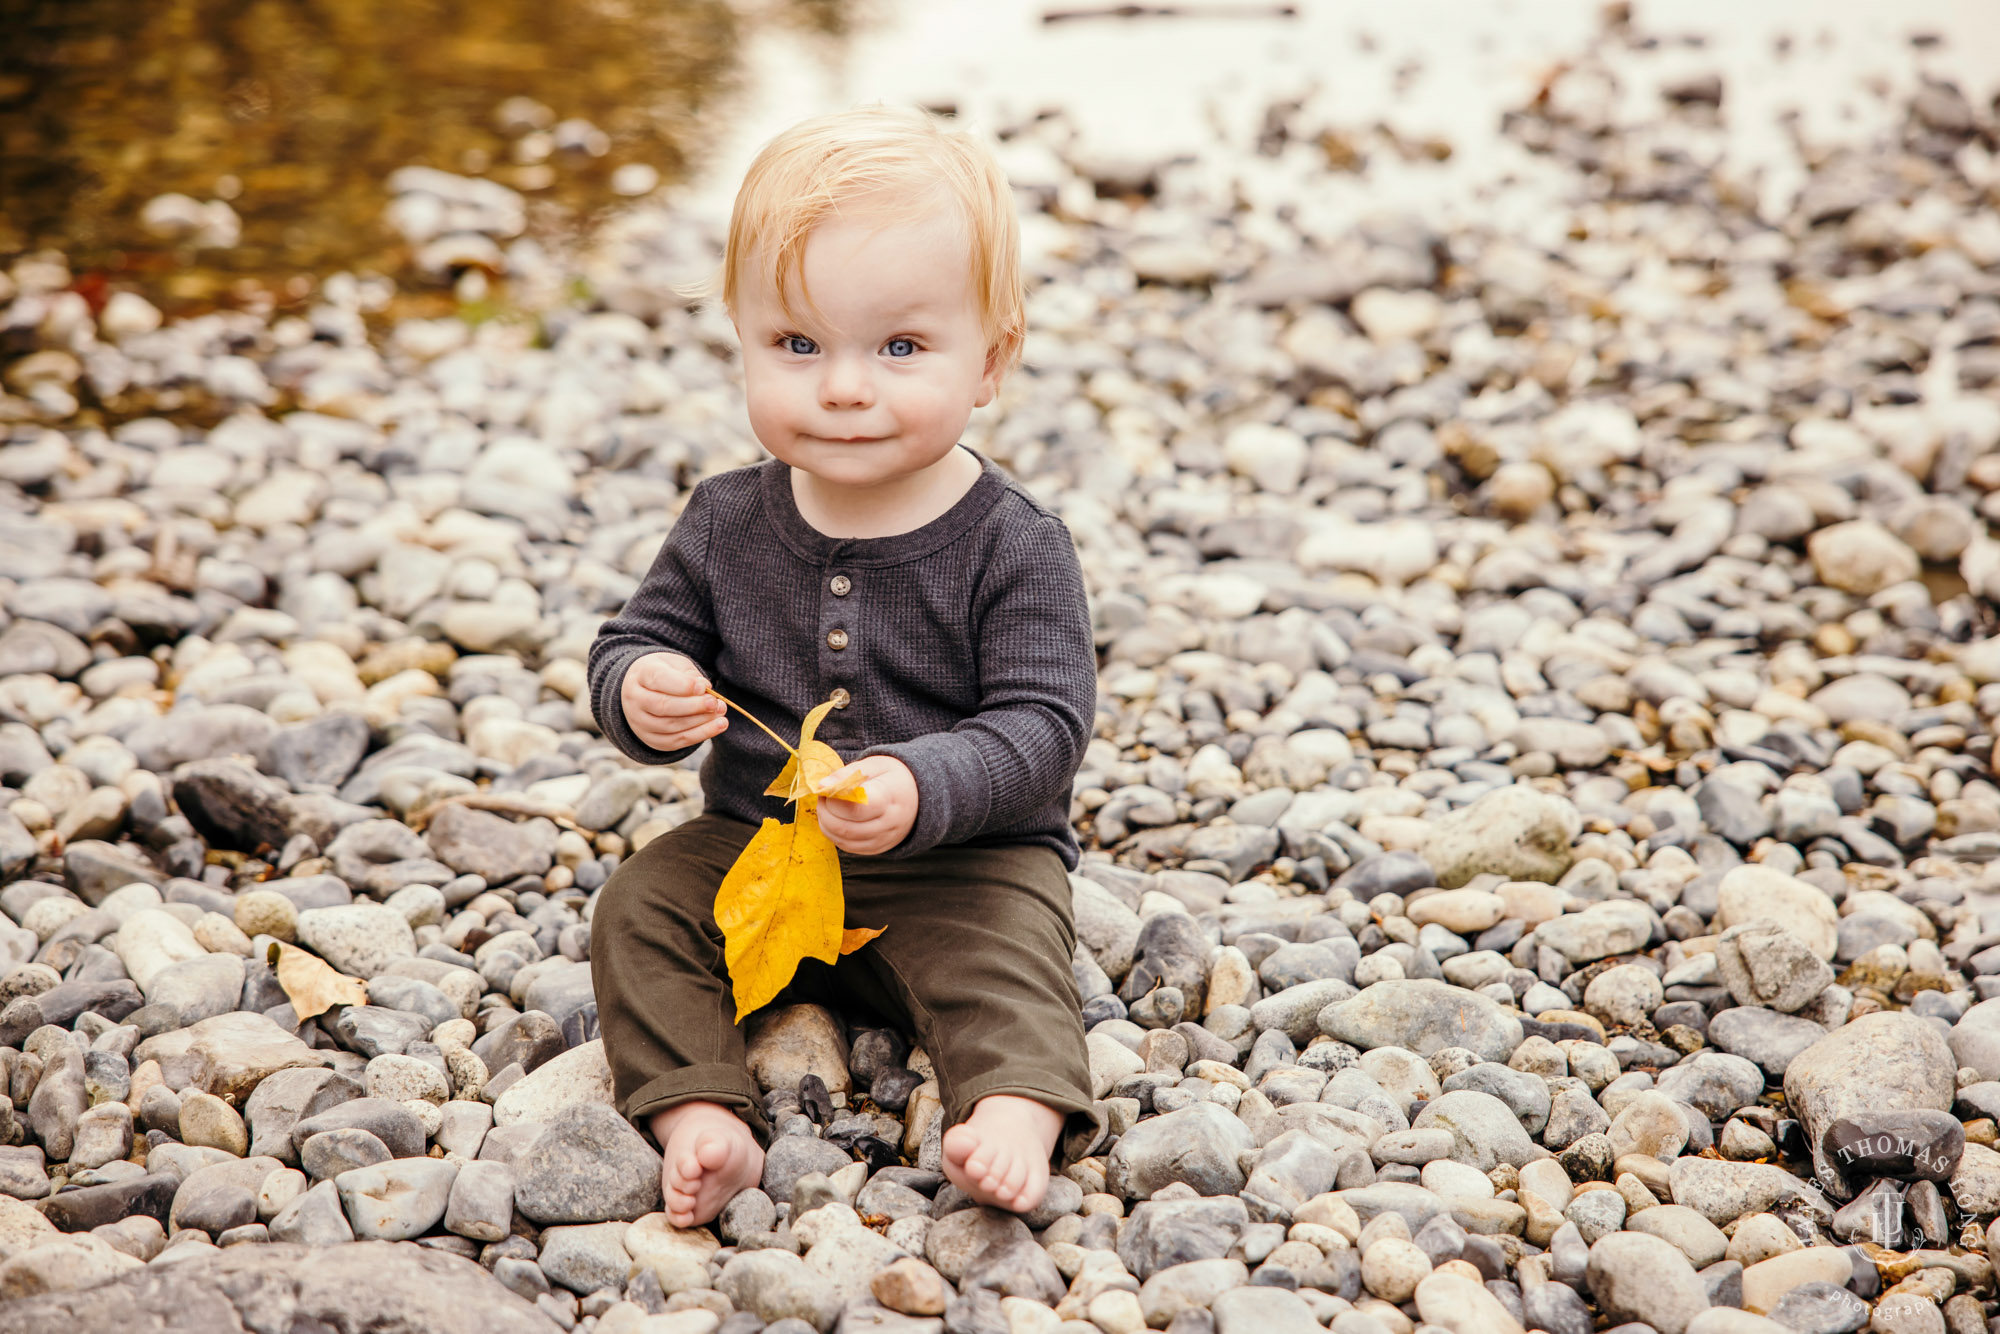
1426, 71
293, 113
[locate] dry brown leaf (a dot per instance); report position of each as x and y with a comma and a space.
313, 984
854, 938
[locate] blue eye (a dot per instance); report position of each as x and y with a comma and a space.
798, 344
900, 347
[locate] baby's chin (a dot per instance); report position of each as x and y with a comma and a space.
862, 465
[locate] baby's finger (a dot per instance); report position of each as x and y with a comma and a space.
673, 738
679, 706
849, 839
833, 808
848, 776
671, 675
849, 814
839, 779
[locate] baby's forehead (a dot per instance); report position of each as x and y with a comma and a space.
937, 231
879, 267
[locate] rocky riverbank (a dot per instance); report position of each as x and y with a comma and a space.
1541, 828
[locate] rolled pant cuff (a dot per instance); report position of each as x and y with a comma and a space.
727, 1085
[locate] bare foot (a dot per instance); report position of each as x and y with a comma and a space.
1000, 1154
709, 1155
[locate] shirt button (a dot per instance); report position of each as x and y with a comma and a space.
836, 639
841, 585
840, 697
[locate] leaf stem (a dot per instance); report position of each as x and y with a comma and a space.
753, 718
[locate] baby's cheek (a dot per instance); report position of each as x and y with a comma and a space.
772, 406
932, 412
767, 419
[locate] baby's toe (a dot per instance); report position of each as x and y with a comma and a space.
1015, 1177
687, 1170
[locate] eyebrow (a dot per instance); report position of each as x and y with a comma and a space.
911, 318
922, 305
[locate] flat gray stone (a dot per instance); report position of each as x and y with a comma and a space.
587, 1166
396, 1200
481, 1205
586, 1258
315, 1218
777, 1285
1425, 1016
1723, 1191
1199, 1145
1890, 1061
1161, 1233
1517, 832
373, 1286
1484, 1129
1639, 1277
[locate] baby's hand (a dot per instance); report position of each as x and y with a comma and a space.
882, 821
663, 698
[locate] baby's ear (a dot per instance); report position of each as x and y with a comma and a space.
989, 381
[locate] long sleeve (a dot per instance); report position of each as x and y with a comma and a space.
1037, 698
962, 647
670, 610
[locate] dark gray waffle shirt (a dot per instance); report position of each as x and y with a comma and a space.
964, 647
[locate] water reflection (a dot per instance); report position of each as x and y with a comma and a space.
282, 117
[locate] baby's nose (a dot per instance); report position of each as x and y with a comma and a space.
846, 384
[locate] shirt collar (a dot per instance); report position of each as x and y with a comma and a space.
811, 545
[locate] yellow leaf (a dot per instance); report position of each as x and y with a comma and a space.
312, 983
811, 765
817, 763
812, 722
781, 786
814, 761
780, 904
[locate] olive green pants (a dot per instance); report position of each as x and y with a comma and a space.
975, 958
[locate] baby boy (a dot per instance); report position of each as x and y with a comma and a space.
872, 271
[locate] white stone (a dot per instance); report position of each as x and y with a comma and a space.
578, 1075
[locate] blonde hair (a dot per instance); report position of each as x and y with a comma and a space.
903, 164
